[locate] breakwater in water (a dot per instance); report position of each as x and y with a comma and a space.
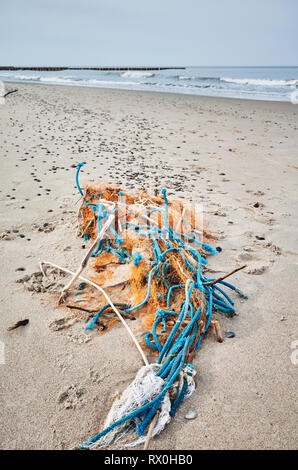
56, 69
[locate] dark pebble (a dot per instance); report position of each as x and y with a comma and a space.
259, 238
20, 269
230, 334
219, 249
22, 235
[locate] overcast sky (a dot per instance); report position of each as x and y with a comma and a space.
148, 32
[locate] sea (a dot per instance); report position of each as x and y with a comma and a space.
257, 83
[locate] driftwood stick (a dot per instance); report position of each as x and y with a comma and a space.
9, 93
86, 257
81, 308
18, 324
217, 329
150, 431
226, 275
109, 301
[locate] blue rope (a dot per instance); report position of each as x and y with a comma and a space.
97, 315
137, 257
77, 177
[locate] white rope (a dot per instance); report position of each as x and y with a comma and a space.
108, 300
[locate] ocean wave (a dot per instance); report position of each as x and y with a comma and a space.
183, 85
136, 74
259, 81
10, 76
195, 77
27, 77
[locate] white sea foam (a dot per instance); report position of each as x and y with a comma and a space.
85, 82
56, 79
260, 82
27, 77
136, 74
110, 82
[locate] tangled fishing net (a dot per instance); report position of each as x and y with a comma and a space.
150, 254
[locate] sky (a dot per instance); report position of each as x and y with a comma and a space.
149, 32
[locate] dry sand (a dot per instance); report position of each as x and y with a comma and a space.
238, 159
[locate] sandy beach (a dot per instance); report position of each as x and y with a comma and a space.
236, 158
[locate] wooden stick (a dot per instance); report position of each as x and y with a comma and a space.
179, 223
9, 92
86, 257
150, 431
226, 275
109, 301
18, 324
82, 309
87, 226
216, 326
124, 314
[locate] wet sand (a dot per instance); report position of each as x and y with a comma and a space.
237, 158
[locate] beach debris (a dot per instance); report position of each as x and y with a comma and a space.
215, 281
18, 324
150, 253
191, 414
9, 93
5, 236
150, 431
217, 329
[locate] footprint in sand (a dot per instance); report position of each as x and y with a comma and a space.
257, 259
71, 397
62, 323
37, 282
